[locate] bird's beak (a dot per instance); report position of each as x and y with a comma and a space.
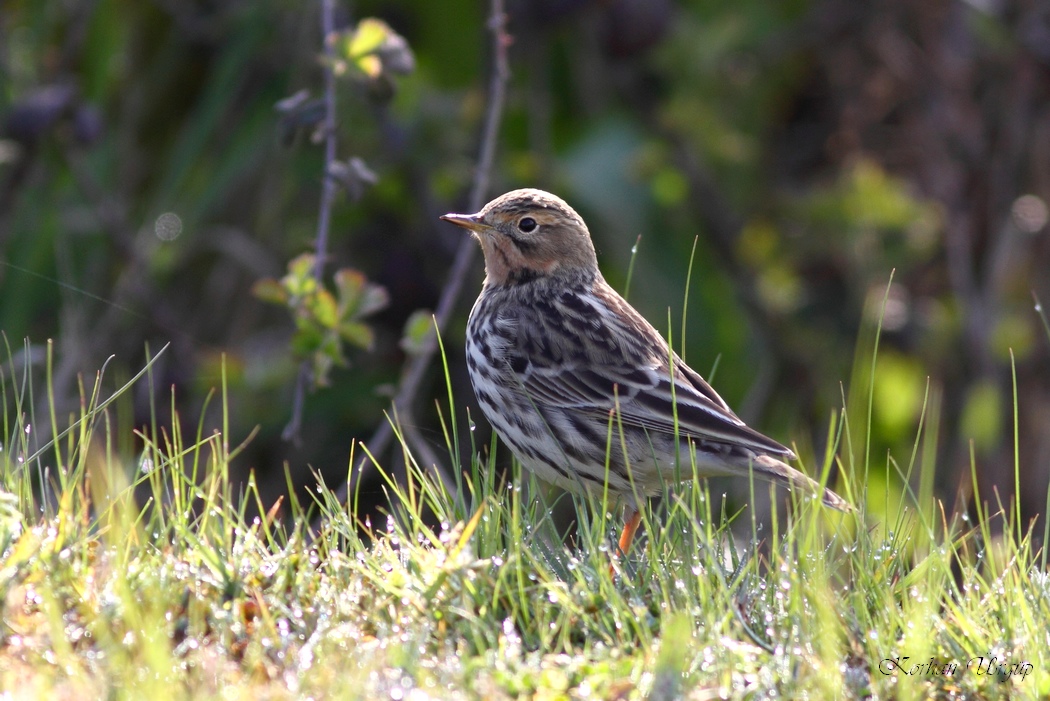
467, 221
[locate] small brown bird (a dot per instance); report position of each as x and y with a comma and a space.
573, 378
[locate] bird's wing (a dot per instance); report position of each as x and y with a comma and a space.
622, 370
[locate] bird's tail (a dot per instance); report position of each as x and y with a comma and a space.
770, 469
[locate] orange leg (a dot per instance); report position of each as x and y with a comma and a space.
630, 527
634, 519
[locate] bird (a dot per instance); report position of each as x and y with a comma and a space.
584, 391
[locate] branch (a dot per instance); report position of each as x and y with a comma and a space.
324, 216
415, 370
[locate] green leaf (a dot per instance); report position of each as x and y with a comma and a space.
418, 330
307, 339
374, 49
370, 65
348, 285
300, 280
373, 299
360, 335
269, 290
366, 38
324, 309
358, 297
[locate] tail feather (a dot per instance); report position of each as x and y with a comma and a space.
769, 468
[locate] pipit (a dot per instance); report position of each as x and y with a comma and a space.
583, 389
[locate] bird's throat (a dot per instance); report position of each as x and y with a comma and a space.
505, 264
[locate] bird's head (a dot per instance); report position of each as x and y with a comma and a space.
530, 234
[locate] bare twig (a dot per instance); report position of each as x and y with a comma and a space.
417, 366
324, 215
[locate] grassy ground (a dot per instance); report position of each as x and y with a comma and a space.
142, 577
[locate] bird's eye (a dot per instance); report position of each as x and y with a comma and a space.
527, 224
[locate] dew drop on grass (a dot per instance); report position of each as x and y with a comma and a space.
471, 425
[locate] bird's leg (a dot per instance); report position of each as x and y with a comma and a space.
630, 527
634, 518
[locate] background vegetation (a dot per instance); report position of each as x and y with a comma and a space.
162, 171
809, 148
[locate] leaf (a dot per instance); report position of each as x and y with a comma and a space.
269, 290
354, 175
348, 285
358, 297
419, 329
366, 38
301, 265
300, 281
324, 318
292, 103
324, 309
308, 332
331, 347
373, 299
360, 335
298, 112
374, 48
395, 54
371, 65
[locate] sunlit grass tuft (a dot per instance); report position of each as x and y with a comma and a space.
136, 575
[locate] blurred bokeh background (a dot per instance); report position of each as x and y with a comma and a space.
807, 147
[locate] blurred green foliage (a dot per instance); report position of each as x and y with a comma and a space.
324, 319
807, 147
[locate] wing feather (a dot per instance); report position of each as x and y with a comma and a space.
624, 362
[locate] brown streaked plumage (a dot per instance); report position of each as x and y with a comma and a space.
556, 357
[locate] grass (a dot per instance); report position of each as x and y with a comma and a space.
141, 575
